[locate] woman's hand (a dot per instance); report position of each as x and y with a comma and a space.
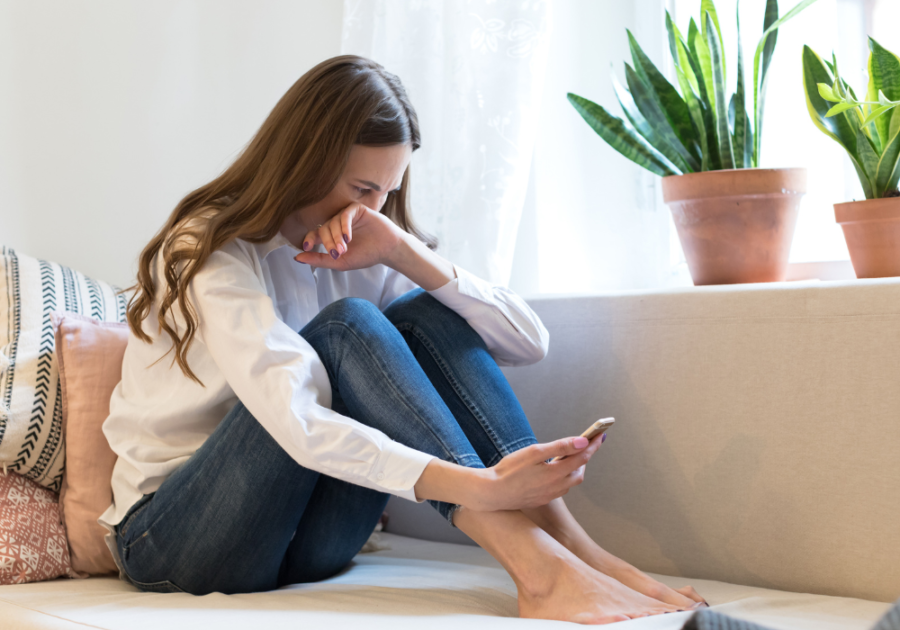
356, 237
523, 479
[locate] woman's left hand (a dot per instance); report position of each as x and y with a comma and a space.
356, 237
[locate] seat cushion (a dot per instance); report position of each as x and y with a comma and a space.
413, 585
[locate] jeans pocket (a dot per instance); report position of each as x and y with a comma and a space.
163, 586
126, 525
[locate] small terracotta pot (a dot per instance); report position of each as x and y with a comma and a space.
872, 231
736, 225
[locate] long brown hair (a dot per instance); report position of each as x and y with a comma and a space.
294, 160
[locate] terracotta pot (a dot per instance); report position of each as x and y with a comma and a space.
872, 231
736, 225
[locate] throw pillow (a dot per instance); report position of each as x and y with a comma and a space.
89, 353
31, 441
32, 538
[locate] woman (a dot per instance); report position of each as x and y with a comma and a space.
324, 358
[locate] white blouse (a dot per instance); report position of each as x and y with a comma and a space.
250, 302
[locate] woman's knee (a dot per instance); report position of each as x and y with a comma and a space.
351, 310
419, 310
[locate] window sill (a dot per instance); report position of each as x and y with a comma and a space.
828, 270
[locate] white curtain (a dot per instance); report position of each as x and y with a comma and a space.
474, 71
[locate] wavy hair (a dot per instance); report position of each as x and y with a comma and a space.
294, 160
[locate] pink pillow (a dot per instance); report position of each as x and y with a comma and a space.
89, 353
32, 538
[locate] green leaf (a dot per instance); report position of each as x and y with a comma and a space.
888, 174
868, 158
840, 107
670, 102
742, 146
725, 149
708, 6
761, 81
696, 109
700, 52
634, 116
706, 102
838, 128
685, 61
827, 93
884, 68
876, 112
895, 124
621, 137
769, 19
650, 109
674, 36
884, 78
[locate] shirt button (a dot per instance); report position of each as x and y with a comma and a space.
379, 476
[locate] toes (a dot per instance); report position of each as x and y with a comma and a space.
688, 591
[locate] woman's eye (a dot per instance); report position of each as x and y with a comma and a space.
362, 191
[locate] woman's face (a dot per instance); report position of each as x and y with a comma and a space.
372, 173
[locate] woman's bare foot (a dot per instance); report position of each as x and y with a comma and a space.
685, 597
556, 520
578, 593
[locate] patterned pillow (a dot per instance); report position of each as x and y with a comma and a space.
32, 539
31, 441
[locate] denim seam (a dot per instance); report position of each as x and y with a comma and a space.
427, 343
132, 517
400, 394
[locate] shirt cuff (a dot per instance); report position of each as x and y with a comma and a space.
398, 469
465, 294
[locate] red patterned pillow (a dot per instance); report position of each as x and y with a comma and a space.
33, 543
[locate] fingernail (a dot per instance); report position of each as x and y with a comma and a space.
346, 240
581, 442
603, 439
305, 245
334, 254
300, 261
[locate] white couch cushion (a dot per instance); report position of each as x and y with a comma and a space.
413, 585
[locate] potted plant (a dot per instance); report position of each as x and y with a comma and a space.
869, 131
735, 220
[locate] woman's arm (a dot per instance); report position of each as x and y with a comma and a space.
361, 237
522, 479
413, 259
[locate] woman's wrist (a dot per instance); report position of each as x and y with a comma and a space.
452, 483
413, 259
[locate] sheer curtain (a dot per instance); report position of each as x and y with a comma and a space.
474, 71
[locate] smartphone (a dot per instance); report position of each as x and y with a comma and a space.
592, 431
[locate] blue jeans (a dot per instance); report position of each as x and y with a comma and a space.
240, 515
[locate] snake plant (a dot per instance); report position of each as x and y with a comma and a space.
693, 128
869, 130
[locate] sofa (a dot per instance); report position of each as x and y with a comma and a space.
753, 457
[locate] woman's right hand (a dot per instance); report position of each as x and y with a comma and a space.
524, 479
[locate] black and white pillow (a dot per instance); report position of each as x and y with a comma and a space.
31, 441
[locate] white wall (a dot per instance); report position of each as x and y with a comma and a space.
112, 110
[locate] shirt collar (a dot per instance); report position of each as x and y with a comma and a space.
276, 242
